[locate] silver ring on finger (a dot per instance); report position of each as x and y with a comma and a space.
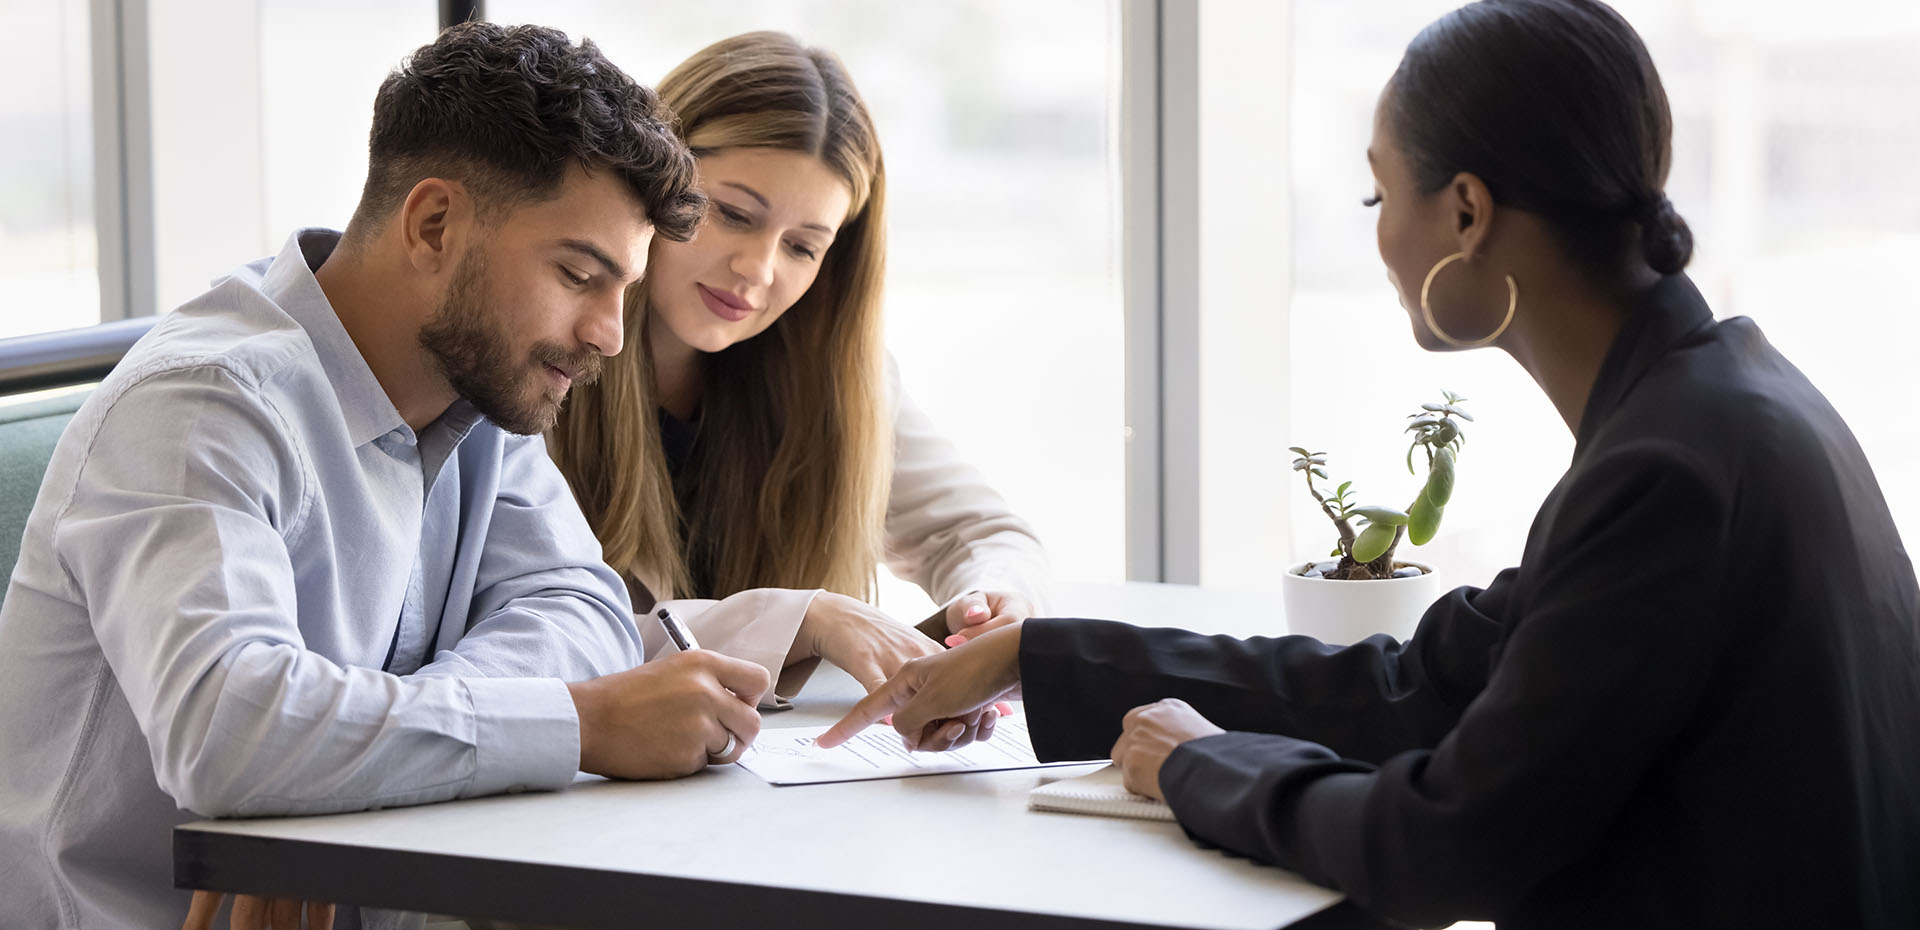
713, 758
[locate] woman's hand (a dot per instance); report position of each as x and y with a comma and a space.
1148, 735
256, 913
944, 701
980, 612
867, 644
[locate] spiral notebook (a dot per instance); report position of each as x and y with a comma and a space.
1099, 792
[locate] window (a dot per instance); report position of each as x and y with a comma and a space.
260, 119
1003, 292
1793, 141
1794, 127
998, 118
47, 245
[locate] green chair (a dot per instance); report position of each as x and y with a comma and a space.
28, 432
30, 428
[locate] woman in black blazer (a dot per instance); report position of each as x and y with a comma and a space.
1695, 703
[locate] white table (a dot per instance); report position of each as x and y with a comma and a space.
725, 849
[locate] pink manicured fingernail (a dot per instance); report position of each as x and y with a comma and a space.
976, 611
1005, 709
954, 640
888, 720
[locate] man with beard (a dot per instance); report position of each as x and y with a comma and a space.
303, 551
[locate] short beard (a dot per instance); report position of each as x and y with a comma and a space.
467, 341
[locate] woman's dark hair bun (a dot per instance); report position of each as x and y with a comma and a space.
1665, 239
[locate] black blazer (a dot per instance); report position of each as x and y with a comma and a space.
1696, 703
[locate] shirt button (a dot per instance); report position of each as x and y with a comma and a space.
516, 789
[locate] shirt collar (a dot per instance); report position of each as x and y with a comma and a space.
1670, 313
290, 283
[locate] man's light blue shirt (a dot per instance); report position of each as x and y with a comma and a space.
248, 588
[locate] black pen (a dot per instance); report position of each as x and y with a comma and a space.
677, 631
683, 640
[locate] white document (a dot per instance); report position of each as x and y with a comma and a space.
789, 757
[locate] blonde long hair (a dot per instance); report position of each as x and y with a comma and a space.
788, 481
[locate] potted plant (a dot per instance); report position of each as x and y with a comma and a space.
1362, 588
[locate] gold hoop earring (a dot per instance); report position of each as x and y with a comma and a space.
1426, 309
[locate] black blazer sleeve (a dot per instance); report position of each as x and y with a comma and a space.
1368, 701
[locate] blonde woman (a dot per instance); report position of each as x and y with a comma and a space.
750, 459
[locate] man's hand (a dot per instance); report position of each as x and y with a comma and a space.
979, 612
254, 913
1148, 734
854, 635
669, 718
941, 702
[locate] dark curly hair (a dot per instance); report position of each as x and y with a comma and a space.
1556, 105
506, 110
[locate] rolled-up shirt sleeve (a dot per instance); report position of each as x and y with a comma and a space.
178, 544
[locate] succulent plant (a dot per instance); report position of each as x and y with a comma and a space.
1367, 551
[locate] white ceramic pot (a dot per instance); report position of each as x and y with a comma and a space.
1344, 612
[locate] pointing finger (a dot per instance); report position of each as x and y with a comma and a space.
888, 698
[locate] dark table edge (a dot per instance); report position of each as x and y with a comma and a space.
588, 899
